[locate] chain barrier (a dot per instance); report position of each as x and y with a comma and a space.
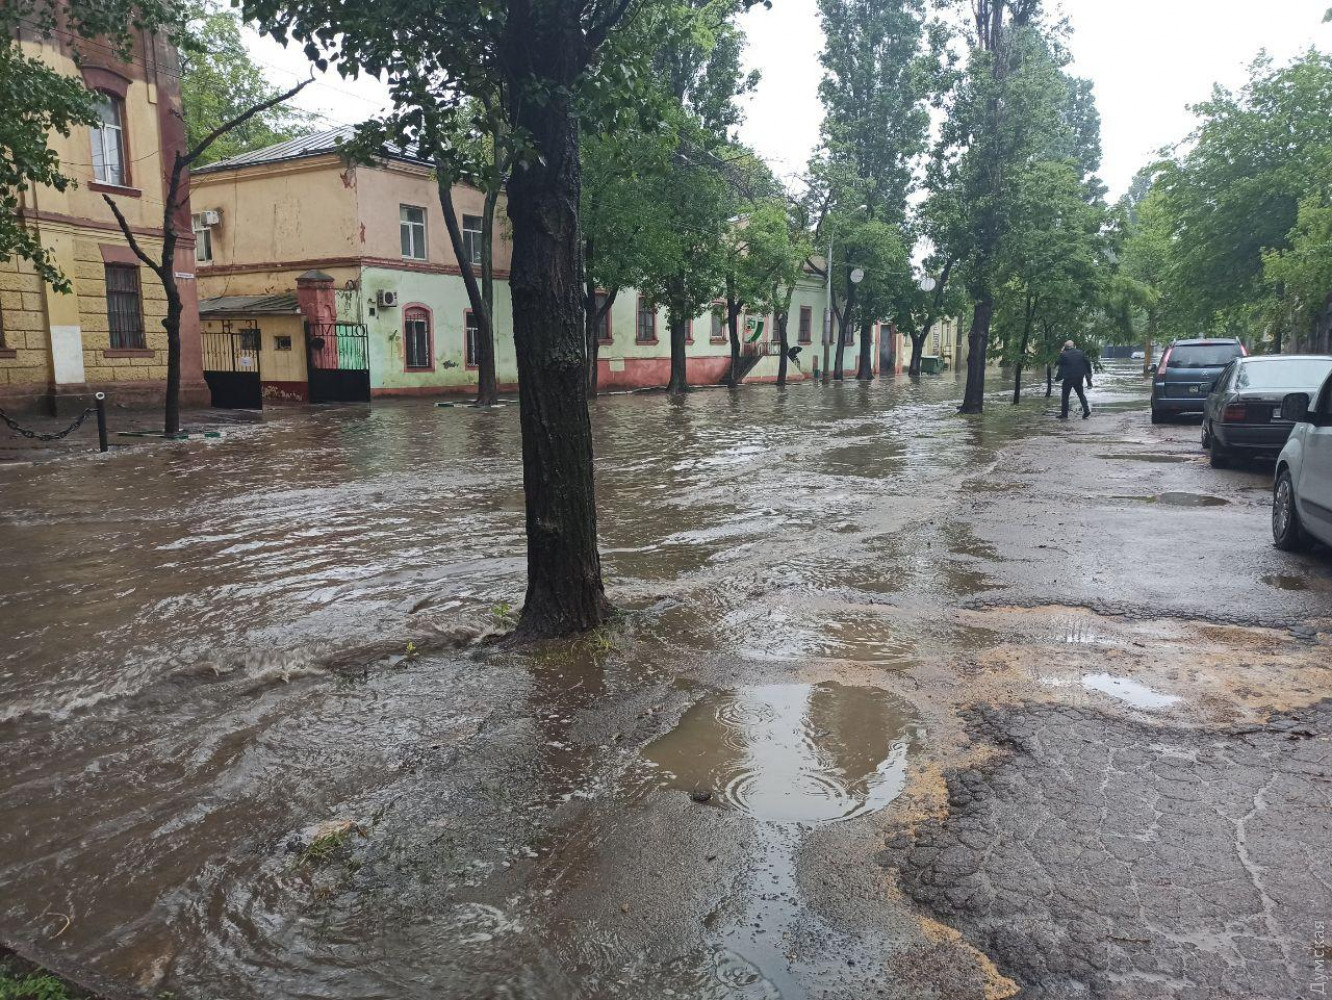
32, 435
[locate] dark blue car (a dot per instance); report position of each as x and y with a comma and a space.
1183, 378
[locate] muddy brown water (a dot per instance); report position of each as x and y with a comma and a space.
206, 655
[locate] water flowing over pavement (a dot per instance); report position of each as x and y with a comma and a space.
901, 704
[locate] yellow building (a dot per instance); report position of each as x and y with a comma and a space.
57, 349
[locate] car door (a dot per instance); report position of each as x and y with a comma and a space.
1314, 489
1216, 399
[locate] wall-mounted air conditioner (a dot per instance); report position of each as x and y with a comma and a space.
386, 298
212, 217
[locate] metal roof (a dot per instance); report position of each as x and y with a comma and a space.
250, 305
314, 144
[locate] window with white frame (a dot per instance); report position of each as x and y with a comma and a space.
412, 226
203, 239
108, 140
471, 235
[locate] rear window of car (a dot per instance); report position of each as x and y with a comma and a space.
1204, 355
1295, 373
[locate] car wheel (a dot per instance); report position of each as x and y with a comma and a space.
1157, 416
1206, 436
1218, 456
1287, 533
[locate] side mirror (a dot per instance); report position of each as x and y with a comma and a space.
1295, 407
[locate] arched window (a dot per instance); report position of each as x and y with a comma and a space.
108, 140
419, 338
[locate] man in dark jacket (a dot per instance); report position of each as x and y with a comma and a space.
1073, 368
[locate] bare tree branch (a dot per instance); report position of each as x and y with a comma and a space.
130, 238
242, 118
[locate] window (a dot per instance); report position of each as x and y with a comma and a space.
471, 331
646, 332
203, 239
806, 325
849, 336
251, 339
124, 310
689, 331
108, 141
604, 327
416, 333
411, 223
718, 328
282, 343
471, 234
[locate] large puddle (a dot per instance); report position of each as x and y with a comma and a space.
790, 753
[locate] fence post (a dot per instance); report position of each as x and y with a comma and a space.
101, 421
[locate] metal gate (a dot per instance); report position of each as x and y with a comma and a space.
339, 356
231, 368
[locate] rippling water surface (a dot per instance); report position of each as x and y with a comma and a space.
206, 655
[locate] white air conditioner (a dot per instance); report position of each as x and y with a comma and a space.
212, 217
386, 298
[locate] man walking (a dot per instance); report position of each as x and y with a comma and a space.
1074, 367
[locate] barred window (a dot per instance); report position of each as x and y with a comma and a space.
471, 330
124, 306
416, 331
806, 324
647, 321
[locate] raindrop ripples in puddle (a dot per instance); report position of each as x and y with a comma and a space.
790, 753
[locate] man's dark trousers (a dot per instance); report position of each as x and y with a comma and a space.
1073, 385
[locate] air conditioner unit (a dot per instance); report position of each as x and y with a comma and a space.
212, 217
386, 298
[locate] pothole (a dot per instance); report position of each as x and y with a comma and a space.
1124, 689
1145, 457
790, 753
1176, 499
1283, 582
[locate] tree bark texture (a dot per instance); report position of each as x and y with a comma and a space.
679, 381
733, 308
978, 343
865, 367
481, 298
781, 320
544, 52
917, 351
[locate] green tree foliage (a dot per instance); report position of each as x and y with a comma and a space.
880, 67
39, 101
1233, 197
219, 80
1009, 109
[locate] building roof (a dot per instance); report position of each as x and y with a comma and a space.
314, 144
250, 305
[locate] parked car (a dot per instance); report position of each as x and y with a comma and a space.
1242, 412
1137, 355
1185, 373
1302, 493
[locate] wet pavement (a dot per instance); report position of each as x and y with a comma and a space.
901, 704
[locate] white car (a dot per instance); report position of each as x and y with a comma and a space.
1302, 494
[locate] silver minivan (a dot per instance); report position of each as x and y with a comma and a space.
1302, 493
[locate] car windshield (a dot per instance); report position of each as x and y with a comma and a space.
1203, 355
1285, 373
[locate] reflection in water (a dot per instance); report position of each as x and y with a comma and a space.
790, 753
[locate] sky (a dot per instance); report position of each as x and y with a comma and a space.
1148, 60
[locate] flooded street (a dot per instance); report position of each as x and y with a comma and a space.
900, 704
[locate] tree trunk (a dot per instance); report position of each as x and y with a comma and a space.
917, 352
865, 366
847, 313
486, 390
1049, 381
487, 379
978, 344
543, 56
781, 319
1022, 351
679, 381
733, 331
171, 421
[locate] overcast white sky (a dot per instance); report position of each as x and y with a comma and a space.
1149, 59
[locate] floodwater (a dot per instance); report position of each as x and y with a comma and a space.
210, 649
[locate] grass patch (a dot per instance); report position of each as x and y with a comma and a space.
15, 985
